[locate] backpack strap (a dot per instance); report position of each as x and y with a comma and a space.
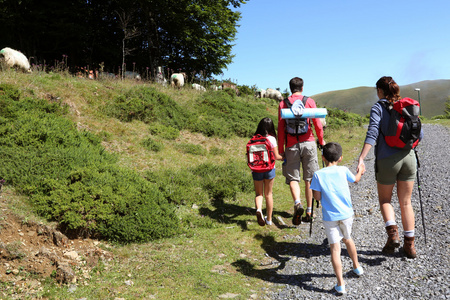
289, 105
305, 98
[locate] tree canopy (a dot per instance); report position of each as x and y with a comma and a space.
193, 36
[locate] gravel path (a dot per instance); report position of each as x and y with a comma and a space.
304, 269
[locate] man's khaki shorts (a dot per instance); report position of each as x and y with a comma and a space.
300, 155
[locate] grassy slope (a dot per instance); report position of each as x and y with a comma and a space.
228, 257
433, 95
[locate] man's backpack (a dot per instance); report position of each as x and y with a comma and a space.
297, 126
260, 156
404, 124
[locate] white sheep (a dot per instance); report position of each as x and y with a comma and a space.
198, 87
177, 79
273, 94
260, 93
14, 59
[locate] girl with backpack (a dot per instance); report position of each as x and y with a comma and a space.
392, 166
264, 181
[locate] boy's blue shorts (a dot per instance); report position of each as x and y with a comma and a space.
266, 175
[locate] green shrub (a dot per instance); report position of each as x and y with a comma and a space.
166, 132
152, 145
148, 105
179, 187
224, 181
109, 202
71, 179
246, 90
222, 115
9, 92
191, 149
337, 118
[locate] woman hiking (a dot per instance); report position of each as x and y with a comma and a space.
392, 166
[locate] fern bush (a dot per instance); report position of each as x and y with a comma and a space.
166, 132
71, 179
181, 187
337, 118
221, 114
148, 105
224, 181
111, 202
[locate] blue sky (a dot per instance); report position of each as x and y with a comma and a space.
335, 45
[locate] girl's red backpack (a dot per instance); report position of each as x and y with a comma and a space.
260, 156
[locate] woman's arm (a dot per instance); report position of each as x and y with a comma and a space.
365, 150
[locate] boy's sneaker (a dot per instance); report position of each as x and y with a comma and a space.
267, 222
358, 271
340, 289
298, 212
260, 218
307, 218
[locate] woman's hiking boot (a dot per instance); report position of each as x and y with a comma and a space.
393, 239
298, 212
408, 247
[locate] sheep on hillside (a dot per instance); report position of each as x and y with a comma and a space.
14, 59
198, 87
177, 79
260, 93
274, 94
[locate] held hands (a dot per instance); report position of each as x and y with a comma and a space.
361, 167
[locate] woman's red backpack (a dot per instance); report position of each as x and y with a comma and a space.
404, 124
260, 156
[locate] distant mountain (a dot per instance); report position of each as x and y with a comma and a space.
433, 95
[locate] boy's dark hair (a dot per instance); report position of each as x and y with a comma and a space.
296, 84
332, 152
266, 127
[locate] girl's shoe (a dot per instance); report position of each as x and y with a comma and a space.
260, 217
267, 222
340, 289
358, 271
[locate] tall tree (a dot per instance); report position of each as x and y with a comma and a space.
195, 36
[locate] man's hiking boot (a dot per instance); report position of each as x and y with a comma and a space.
298, 212
260, 218
307, 218
408, 247
393, 239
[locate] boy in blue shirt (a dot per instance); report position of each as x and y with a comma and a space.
330, 186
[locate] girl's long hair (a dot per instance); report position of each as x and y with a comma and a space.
266, 127
389, 87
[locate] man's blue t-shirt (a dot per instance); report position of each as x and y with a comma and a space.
332, 183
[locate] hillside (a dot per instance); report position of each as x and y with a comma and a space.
433, 95
158, 171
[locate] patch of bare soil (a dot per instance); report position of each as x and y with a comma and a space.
31, 252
